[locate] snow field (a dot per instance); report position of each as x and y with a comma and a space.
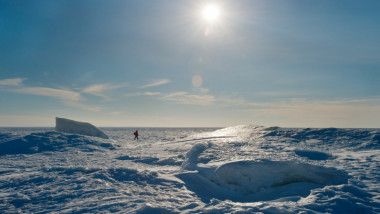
242, 169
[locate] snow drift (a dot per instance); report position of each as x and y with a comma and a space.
247, 177
48, 141
75, 127
191, 158
261, 180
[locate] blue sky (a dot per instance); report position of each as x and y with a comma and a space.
160, 63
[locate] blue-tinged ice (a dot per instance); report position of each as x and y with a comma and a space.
75, 127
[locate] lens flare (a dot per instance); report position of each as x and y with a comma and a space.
197, 81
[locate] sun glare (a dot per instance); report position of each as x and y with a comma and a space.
210, 13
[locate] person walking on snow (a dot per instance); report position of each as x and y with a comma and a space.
136, 133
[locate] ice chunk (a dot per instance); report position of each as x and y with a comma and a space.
249, 177
75, 127
260, 180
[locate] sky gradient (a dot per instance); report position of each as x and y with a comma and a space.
160, 64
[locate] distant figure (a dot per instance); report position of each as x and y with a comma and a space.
136, 133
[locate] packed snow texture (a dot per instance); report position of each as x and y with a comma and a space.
75, 127
191, 157
241, 169
250, 177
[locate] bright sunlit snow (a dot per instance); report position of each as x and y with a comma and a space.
241, 169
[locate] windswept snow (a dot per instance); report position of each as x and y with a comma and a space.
75, 127
241, 169
191, 158
261, 180
313, 155
49, 141
250, 177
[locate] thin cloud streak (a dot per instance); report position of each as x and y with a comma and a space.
190, 99
296, 112
12, 82
100, 89
115, 113
156, 83
148, 93
49, 92
67, 97
16, 86
319, 113
82, 106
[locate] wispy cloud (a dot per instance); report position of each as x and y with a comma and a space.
320, 113
203, 98
148, 93
358, 112
50, 92
156, 83
190, 99
312, 103
82, 106
283, 93
115, 113
12, 82
95, 89
100, 89
66, 96
233, 101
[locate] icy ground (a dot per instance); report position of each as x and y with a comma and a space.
242, 169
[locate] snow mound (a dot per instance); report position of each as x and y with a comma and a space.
357, 139
345, 198
247, 177
50, 141
75, 189
75, 127
261, 180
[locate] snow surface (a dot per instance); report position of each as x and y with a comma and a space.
241, 169
75, 127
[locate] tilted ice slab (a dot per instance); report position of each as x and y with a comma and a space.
75, 127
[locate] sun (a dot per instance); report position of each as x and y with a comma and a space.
211, 13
